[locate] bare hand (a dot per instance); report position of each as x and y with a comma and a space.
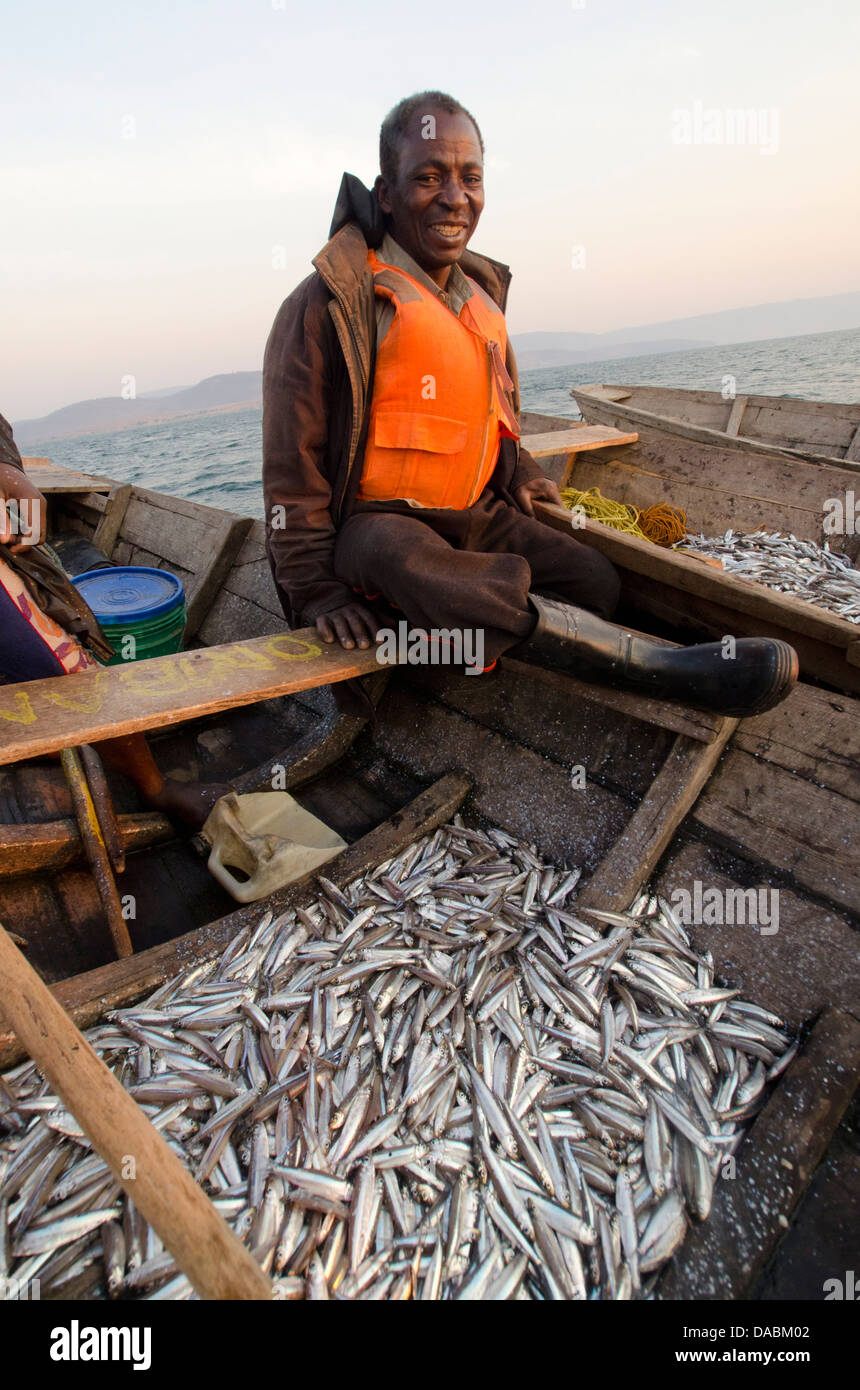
352, 626
538, 490
32, 516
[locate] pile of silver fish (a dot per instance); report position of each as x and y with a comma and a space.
801, 569
441, 1082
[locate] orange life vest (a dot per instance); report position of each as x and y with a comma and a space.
441, 396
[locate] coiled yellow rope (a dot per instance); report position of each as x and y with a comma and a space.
662, 523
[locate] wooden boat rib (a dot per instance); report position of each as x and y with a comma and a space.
821, 431
718, 489
673, 796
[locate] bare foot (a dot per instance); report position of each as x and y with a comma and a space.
188, 803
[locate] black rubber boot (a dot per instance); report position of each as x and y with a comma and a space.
758, 674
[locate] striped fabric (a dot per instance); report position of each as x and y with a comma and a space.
32, 645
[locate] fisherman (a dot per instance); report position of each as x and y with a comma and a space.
46, 629
393, 470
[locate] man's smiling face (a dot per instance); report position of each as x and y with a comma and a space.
438, 195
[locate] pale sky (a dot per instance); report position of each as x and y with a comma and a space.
153, 156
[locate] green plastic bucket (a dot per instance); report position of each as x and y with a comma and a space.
137, 603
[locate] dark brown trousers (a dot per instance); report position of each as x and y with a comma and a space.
471, 568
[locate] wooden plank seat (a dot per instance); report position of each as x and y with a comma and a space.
45, 716
576, 440
51, 477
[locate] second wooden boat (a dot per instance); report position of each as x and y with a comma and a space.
823, 431
718, 489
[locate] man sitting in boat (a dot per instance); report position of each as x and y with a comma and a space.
392, 467
35, 643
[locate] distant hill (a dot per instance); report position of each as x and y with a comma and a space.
237, 390
789, 319
599, 350
107, 413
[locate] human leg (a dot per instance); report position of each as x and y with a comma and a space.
559, 563
434, 584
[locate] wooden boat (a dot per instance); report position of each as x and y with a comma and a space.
718, 488
822, 431
673, 795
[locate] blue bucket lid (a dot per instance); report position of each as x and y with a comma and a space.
130, 592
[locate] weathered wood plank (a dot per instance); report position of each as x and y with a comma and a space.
722, 1258
200, 512
53, 844
181, 539
822, 1235
87, 997
739, 405
576, 440
674, 791
225, 545
254, 581
814, 427
44, 716
534, 422
51, 477
254, 547
814, 734
605, 393
711, 498
231, 618
40, 906
807, 832
107, 532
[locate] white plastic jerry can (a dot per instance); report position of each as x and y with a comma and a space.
269, 838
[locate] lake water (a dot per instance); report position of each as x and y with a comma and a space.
216, 458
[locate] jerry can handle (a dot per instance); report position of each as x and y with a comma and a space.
243, 892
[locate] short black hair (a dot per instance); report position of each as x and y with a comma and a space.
396, 124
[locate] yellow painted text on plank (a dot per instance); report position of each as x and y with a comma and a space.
85, 693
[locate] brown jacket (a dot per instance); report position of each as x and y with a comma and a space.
317, 389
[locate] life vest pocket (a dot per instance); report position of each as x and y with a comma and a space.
415, 456
406, 430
